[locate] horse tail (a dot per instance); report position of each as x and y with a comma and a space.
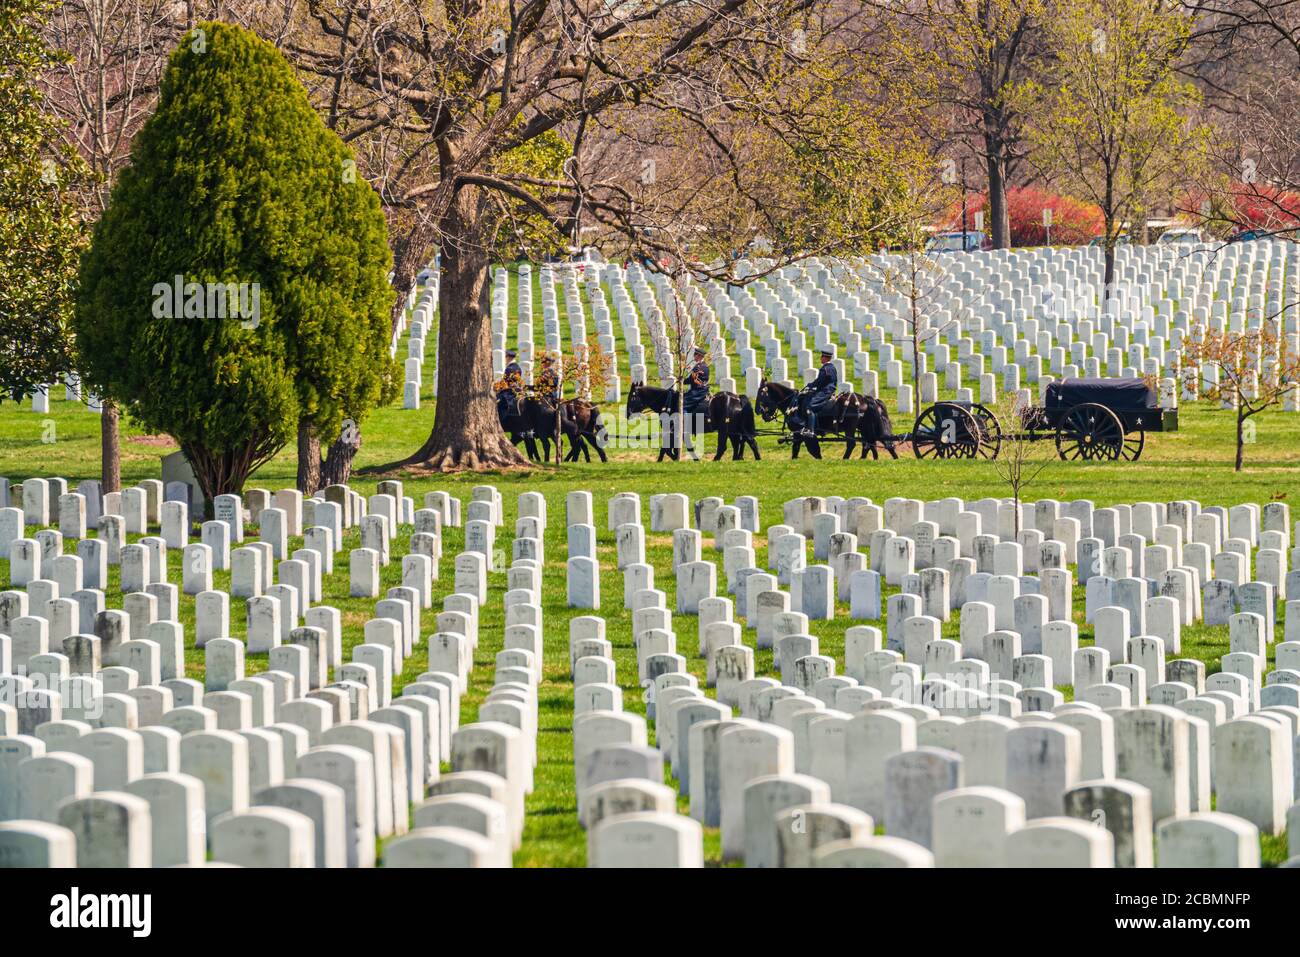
597, 428
744, 419
883, 422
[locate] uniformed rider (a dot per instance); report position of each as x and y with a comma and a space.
547, 383
511, 385
821, 390
696, 398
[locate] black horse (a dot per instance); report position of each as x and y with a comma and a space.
727, 414
876, 426
534, 418
856, 418
580, 422
531, 419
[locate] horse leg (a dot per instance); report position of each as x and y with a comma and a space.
737, 447
722, 443
753, 444
892, 451
595, 443
849, 444
815, 448
794, 449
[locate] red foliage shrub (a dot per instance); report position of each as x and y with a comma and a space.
1074, 222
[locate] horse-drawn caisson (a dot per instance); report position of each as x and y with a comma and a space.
1102, 420
1092, 420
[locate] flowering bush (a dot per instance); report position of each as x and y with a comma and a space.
1241, 206
1074, 222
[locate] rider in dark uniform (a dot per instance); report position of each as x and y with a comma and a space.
822, 389
547, 383
512, 385
697, 380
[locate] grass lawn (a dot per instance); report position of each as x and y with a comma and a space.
1195, 462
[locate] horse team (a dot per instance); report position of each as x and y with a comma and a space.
857, 421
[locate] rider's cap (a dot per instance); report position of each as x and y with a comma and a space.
829, 352
700, 352
511, 353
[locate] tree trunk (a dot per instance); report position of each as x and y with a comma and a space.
999, 218
559, 434
336, 469
466, 432
223, 473
1241, 436
916, 370
1108, 219
110, 449
1108, 278
309, 463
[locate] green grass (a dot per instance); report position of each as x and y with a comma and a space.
1193, 463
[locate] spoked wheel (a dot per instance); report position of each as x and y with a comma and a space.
946, 431
1133, 443
990, 432
1092, 433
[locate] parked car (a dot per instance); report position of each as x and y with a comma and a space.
952, 242
1181, 236
1248, 235
1123, 239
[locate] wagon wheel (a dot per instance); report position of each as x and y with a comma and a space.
945, 431
1090, 432
1133, 443
990, 431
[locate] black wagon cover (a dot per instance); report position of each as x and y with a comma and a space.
1119, 395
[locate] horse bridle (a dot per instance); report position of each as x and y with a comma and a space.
772, 407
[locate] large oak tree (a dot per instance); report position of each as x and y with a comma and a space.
691, 129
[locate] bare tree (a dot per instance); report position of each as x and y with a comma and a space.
1022, 454
976, 52
104, 91
919, 283
1244, 55
590, 370
1247, 370
676, 132
1112, 115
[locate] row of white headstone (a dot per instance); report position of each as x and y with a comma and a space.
553, 341
1133, 747
1028, 317
965, 751
421, 304
110, 756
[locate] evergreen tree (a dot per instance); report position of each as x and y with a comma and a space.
236, 285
